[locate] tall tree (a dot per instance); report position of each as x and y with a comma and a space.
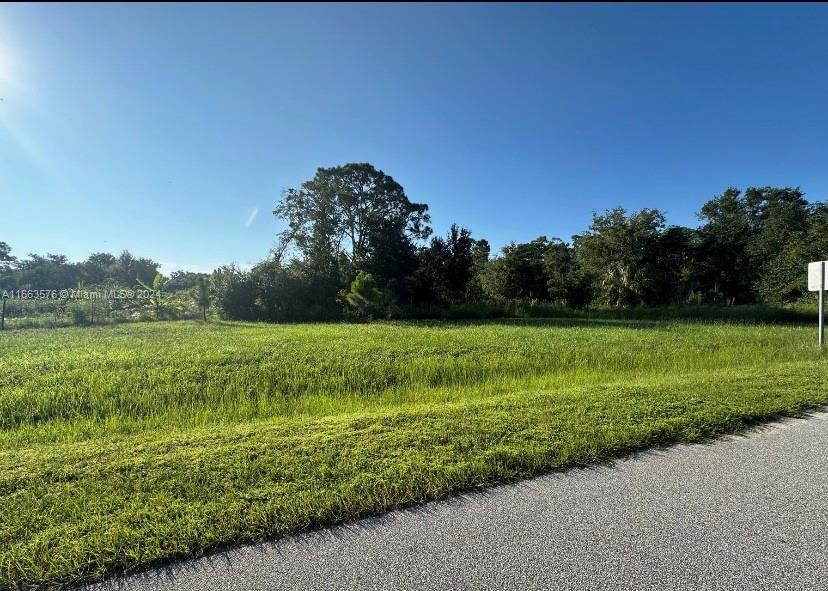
619, 252
7, 265
391, 261
565, 280
447, 267
519, 273
98, 268
724, 265
780, 222
783, 278
130, 271
748, 243
674, 260
480, 261
777, 216
344, 212
6, 258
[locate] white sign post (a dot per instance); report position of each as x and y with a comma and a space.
816, 282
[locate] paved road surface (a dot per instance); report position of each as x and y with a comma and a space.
746, 513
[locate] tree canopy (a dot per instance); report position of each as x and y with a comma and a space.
348, 212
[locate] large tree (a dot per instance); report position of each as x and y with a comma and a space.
349, 217
777, 216
7, 264
565, 280
724, 265
480, 261
519, 273
783, 277
447, 266
99, 268
131, 271
6, 258
620, 253
749, 244
674, 262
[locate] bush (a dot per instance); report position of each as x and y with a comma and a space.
366, 300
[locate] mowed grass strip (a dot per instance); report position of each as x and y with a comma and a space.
79, 511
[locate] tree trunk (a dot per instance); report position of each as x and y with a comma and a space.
3, 316
204, 313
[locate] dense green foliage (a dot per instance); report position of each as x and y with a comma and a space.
128, 444
349, 220
750, 248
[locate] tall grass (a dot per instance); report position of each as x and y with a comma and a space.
191, 373
128, 444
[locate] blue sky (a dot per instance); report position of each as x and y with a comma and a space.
162, 129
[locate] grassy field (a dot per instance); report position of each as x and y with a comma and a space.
125, 445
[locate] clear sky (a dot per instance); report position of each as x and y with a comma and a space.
171, 130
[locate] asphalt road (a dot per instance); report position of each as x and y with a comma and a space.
745, 513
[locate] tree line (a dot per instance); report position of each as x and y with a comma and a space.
356, 245
355, 242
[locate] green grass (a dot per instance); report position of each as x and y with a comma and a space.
126, 445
